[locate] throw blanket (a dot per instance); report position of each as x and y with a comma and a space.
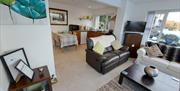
67, 40
105, 40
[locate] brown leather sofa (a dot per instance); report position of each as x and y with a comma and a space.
108, 61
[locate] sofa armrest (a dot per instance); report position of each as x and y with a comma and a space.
141, 52
124, 48
97, 57
94, 59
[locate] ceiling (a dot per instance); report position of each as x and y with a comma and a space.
94, 4
146, 1
90, 4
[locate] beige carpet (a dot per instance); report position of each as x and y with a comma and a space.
74, 74
113, 85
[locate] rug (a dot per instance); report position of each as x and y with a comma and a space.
127, 85
113, 85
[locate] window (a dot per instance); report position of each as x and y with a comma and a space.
166, 28
156, 27
101, 22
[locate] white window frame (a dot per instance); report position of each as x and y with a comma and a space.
165, 12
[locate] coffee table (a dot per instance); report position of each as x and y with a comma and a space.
163, 82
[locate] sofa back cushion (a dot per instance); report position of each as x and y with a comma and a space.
116, 45
171, 53
105, 40
176, 55
153, 51
163, 48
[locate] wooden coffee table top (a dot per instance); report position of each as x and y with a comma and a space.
162, 82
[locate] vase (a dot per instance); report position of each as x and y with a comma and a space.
151, 71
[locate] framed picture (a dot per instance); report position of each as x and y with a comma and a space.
25, 69
10, 60
58, 16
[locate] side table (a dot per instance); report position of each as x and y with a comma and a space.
39, 77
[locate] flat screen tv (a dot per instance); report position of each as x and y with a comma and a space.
73, 27
135, 26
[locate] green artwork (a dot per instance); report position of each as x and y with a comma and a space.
7, 2
33, 9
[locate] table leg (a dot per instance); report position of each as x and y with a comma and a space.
120, 79
50, 85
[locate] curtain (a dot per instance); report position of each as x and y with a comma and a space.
147, 31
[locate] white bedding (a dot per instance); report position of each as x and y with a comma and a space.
67, 40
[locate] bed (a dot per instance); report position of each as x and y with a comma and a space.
64, 39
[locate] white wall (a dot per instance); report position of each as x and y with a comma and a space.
74, 13
121, 18
104, 11
0, 39
115, 3
36, 39
139, 11
2, 72
129, 10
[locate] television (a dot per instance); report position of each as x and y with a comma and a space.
73, 27
135, 26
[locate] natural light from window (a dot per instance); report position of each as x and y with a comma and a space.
166, 28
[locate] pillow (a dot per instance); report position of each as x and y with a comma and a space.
108, 49
153, 51
99, 48
116, 45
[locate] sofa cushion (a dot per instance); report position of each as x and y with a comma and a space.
116, 45
169, 53
148, 43
163, 48
121, 53
99, 48
124, 54
110, 57
153, 51
108, 49
176, 55
154, 61
173, 66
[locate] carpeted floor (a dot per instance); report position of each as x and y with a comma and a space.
113, 85
127, 85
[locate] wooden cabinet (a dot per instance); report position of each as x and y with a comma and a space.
78, 34
133, 41
83, 35
39, 77
94, 34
